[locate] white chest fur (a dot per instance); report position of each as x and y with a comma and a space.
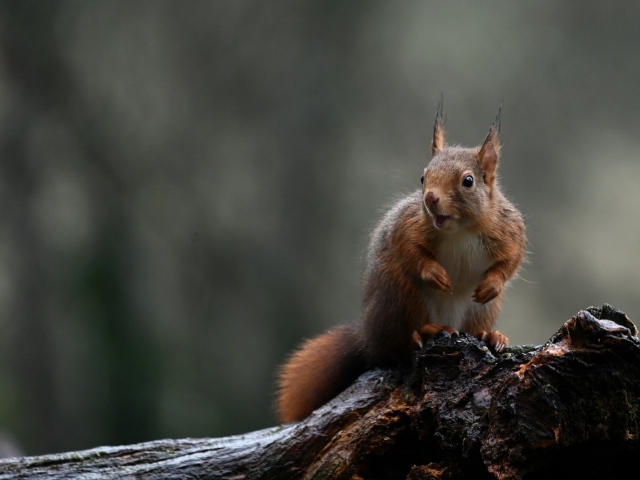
465, 259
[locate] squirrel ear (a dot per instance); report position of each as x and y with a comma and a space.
437, 143
489, 153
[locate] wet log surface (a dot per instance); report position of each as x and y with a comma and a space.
566, 409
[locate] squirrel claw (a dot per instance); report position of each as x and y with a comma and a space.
450, 331
415, 336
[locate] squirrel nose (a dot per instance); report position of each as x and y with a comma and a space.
431, 200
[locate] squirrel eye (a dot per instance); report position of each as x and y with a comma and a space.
467, 181
422, 179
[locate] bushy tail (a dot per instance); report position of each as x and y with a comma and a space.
318, 371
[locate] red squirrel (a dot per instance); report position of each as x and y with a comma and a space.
438, 260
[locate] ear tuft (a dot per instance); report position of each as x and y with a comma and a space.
490, 152
438, 142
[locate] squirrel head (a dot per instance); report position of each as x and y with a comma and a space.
459, 184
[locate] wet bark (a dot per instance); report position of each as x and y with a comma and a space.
566, 409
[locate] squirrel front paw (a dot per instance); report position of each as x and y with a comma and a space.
436, 276
488, 289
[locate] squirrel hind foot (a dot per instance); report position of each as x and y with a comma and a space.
430, 330
494, 339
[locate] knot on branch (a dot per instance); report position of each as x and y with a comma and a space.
597, 328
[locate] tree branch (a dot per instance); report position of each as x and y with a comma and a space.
569, 408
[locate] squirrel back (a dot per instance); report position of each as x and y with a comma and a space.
438, 260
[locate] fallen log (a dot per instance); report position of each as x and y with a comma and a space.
567, 409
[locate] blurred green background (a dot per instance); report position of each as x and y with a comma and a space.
187, 188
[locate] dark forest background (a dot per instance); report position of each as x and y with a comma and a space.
187, 188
